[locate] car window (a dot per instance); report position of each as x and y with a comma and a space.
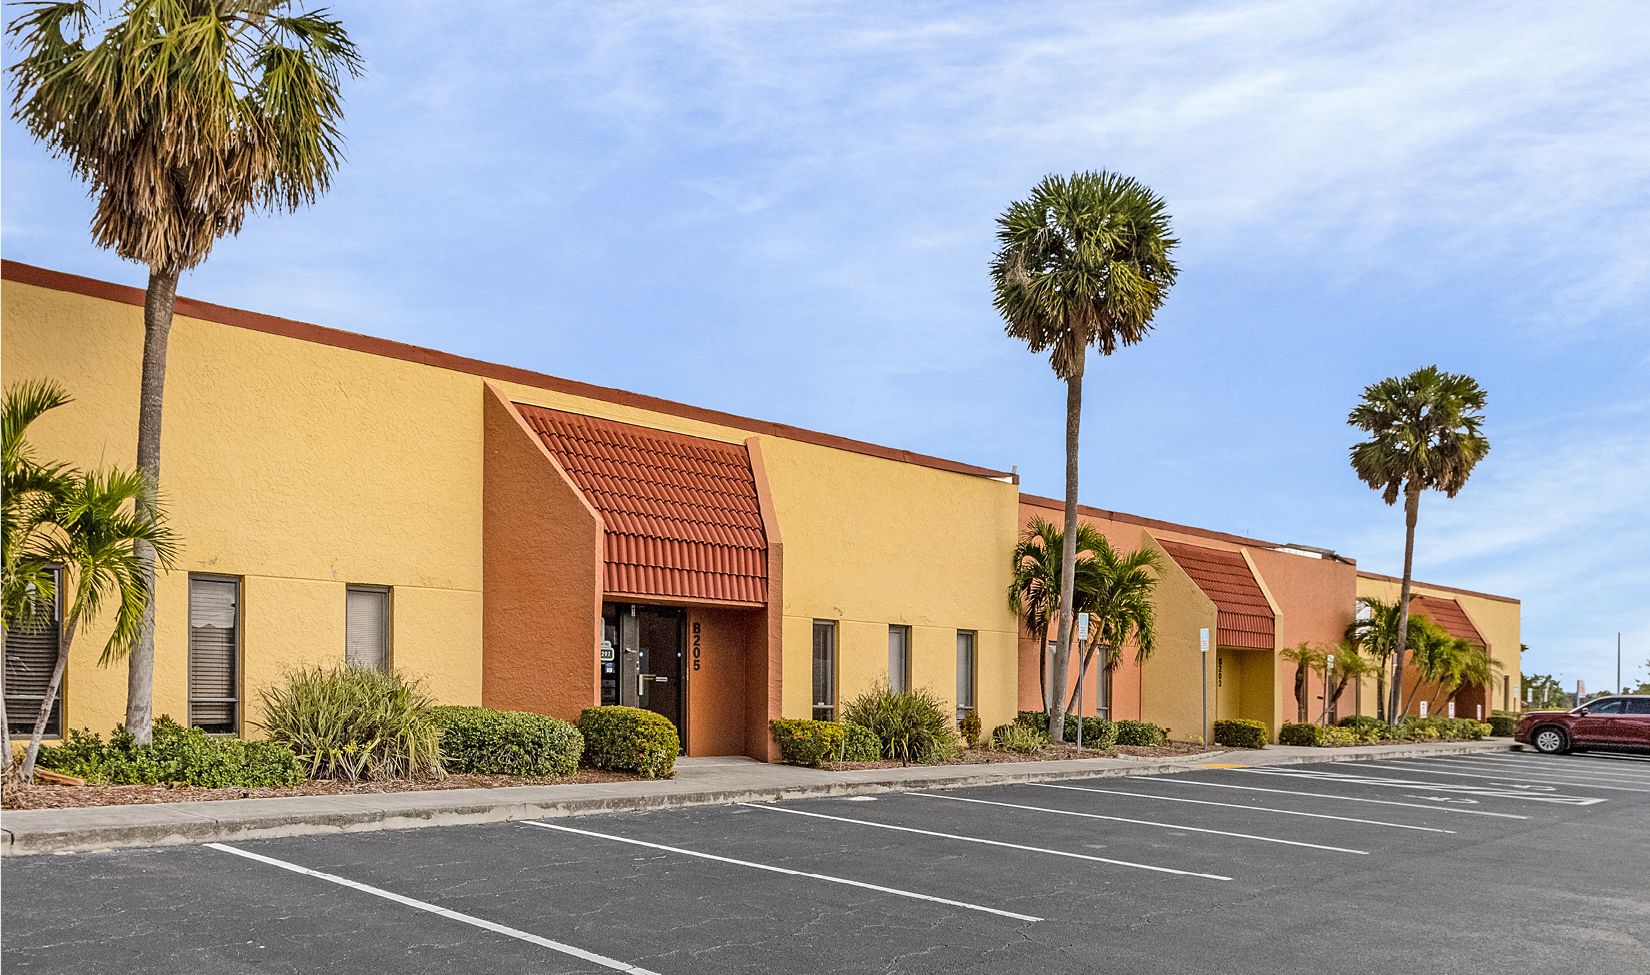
1608, 706
1638, 705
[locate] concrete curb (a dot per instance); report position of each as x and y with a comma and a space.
35, 831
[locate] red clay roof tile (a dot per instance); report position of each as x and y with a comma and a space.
681, 512
1244, 617
1448, 614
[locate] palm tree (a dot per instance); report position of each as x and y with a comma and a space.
182, 116
1424, 433
1116, 593
28, 491
1350, 667
98, 522
1034, 588
1305, 657
1376, 634
1083, 261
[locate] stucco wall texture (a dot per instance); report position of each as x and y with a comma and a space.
1496, 618
301, 460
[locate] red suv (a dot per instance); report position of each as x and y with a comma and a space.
1614, 723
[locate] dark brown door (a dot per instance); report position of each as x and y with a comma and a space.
659, 642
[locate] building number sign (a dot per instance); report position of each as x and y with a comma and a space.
695, 646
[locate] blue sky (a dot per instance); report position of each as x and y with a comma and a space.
786, 210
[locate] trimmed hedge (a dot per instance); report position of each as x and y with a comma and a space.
482, 741
1035, 720
1366, 727
1097, 732
807, 743
630, 740
1241, 733
1333, 737
174, 754
863, 744
1142, 733
1298, 735
1503, 725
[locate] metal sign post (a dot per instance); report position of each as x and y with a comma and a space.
1328, 678
1203, 646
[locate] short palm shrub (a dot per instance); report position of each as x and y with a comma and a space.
355, 723
913, 726
1142, 733
1097, 732
482, 741
863, 745
1241, 733
1298, 735
623, 739
970, 728
809, 743
1018, 737
188, 756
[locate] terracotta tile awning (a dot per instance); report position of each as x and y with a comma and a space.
1447, 613
681, 512
1244, 618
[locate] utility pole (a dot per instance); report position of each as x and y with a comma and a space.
1619, 688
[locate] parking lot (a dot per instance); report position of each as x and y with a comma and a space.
1492, 863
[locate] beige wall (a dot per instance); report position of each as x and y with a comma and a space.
1495, 618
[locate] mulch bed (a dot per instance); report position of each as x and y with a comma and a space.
1048, 753
73, 796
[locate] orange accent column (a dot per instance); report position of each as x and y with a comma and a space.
764, 674
541, 574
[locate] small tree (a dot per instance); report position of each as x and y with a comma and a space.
1116, 593
1424, 431
1305, 657
1034, 587
1349, 668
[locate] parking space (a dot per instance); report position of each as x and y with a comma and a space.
1468, 864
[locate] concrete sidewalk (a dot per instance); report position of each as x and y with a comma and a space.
698, 781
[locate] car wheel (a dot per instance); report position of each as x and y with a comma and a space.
1550, 741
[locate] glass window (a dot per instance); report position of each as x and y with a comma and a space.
824, 670
367, 627
899, 658
965, 673
1638, 705
214, 654
1610, 705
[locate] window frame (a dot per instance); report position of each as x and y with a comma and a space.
828, 707
388, 592
904, 630
62, 707
239, 654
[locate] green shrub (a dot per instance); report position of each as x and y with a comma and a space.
863, 744
354, 723
1035, 720
1142, 733
1333, 737
913, 726
970, 728
482, 741
808, 742
174, 754
1430, 729
1299, 735
1018, 737
1241, 733
630, 740
1503, 725
1366, 728
1097, 732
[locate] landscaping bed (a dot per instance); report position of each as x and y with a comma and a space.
1047, 753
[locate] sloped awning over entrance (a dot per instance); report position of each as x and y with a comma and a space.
1244, 616
681, 513
1448, 614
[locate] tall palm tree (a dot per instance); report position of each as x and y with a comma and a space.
98, 523
1083, 261
1035, 585
28, 491
1424, 433
182, 115
1116, 593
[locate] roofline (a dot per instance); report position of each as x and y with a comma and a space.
353, 341
1417, 582
1128, 519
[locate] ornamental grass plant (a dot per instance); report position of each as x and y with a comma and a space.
913, 726
355, 723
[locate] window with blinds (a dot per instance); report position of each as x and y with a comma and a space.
824, 670
965, 673
367, 627
30, 657
899, 659
214, 654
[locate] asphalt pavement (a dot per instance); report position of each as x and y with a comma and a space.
1487, 863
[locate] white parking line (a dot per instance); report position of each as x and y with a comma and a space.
1239, 805
784, 870
1320, 795
1581, 775
505, 930
1346, 778
1142, 822
1519, 777
975, 839
1569, 765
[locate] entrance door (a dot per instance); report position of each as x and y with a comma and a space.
647, 672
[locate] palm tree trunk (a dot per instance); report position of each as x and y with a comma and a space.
5, 723
158, 303
1412, 508
1042, 665
27, 772
1380, 692
1300, 692
1068, 560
